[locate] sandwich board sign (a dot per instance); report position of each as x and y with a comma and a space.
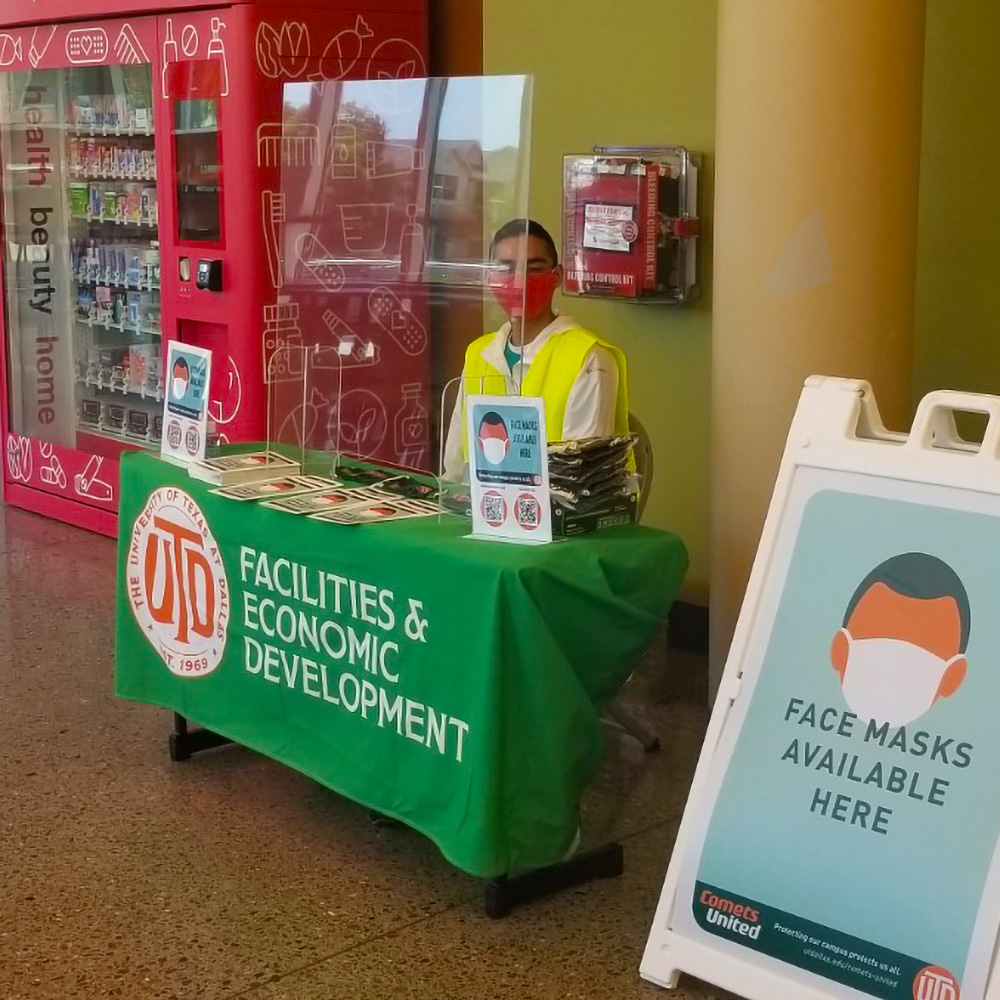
840, 839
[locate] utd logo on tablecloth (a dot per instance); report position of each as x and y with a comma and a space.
177, 584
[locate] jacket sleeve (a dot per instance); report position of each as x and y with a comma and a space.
454, 458
590, 409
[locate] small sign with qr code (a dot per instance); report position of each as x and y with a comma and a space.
509, 468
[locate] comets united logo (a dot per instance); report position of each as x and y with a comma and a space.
177, 584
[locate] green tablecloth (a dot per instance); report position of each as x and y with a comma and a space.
457, 687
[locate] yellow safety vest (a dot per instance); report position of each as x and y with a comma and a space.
551, 375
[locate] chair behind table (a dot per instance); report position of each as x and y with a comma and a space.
643, 462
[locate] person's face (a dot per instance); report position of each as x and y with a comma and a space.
931, 625
524, 276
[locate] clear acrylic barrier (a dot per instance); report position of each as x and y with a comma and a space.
382, 252
303, 390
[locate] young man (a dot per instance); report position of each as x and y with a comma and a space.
903, 643
538, 353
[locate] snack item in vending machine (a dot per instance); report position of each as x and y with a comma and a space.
90, 412
134, 202
148, 203
109, 202
83, 111
79, 198
134, 309
152, 264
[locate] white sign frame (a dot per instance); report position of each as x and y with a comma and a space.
178, 424
509, 493
836, 429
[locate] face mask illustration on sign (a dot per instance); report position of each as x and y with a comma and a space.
495, 449
891, 680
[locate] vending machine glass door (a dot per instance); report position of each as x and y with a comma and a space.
80, 273
197, 150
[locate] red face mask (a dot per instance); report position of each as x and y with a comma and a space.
531, 299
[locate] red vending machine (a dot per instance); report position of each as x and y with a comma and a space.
142, 201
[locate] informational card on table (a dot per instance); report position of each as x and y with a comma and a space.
328, 500
185, 403
509, 468
288, 486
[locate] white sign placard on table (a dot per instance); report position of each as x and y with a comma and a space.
509, 468
841, 836
185, 403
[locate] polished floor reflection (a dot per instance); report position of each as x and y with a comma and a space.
123, 875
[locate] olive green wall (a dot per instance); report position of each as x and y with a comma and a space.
641, 71
957, 336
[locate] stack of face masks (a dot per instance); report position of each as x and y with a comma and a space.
592, 474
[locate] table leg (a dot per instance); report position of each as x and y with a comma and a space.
183, 742
506, 892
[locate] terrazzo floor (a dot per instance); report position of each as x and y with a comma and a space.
230, 876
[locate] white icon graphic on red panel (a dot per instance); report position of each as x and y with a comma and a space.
11, 50
87, 45
284, 51
366, 227
351, 349
52, 472
128, 48
359, 424
273, 217
86, 484
392, 159
301, 423
412, 428
412, 247
268, 50
217, 50
170, 55
190, 41
343, 52
281, 336
395, 316
319, 262
396, 59
224, 409
343, 152
289, 145
40, 42
19, 457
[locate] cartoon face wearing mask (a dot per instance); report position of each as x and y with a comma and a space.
493, 438
903, 641
179, 378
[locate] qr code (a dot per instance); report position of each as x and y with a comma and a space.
494, 509
527, 512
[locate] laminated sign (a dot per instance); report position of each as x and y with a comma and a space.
509, 468
841, 836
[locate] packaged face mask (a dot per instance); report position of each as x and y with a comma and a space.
360, 474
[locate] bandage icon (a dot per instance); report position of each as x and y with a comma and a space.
318, 261
395, 316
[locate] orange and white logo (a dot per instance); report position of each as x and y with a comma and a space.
935, 983
177, 583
